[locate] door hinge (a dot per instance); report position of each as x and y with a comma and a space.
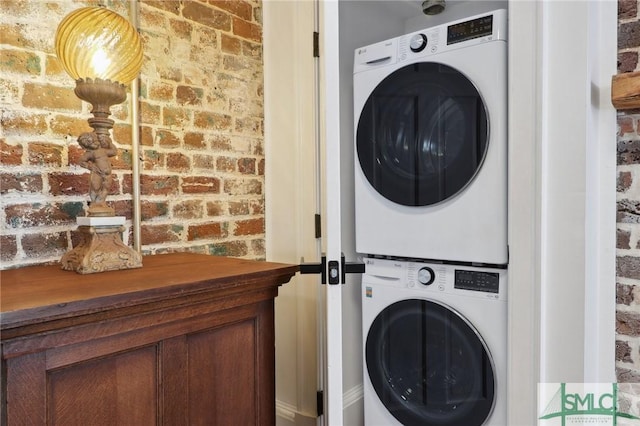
320, 402
316, 44
318, 224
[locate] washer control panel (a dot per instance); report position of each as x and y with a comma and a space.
412, 275
488, 282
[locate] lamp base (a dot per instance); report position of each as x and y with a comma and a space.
101, 250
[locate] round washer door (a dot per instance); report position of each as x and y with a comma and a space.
422, 134
429, 366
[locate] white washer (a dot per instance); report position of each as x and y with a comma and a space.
431, 143
434, 344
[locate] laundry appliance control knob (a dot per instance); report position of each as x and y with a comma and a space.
426, 276
418, 42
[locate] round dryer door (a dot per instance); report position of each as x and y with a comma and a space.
429, 366
422, 134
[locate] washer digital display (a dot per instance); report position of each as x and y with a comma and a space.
477, 281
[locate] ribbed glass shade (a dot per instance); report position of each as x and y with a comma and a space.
94, 42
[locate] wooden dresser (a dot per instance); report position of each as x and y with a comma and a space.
187, 339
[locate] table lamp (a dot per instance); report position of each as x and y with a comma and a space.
102, 52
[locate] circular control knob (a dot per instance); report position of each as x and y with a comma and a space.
426, 276
418, 42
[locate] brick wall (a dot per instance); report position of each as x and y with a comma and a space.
628, 188
201, 131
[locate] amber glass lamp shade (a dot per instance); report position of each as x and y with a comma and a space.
96, 43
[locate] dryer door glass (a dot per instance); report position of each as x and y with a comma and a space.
422, 134
428, 366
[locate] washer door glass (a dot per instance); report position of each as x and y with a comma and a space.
422, 134
428, 366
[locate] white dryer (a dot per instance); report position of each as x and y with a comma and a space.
431, 143
434, 343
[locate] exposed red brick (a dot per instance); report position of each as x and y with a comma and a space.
261, 167
249, 227
229, 248
38, 214
71, 184
216, 208
623, 237
257, 207
161, 91
178, 162
150, 114
10, 154
159, 185
627, 61
212, 120
188, 95
247, 166
194, 140
45, 96
189, 209
626, 124
247, 29
123, 208
122, 134
226, 164
206, 15
200, 185
63, 125
168, 5
627, 9
20, 182
203, 162
623, 351
239, 208
628, 323
231, 45
206, 231
8, 247
628, 267
146, 136
629, 152
629, 35
625, 179
20, 62
167, 139
624, 294
23, 123
175, 117
181, 28
153, 159
252, 50
237, 7
42, 245
153, 209
45, 154
158, 234
242, 186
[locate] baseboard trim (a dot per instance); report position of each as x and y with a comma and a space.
286, 411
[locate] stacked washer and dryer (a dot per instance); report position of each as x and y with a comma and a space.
431, 219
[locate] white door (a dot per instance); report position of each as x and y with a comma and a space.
330, 143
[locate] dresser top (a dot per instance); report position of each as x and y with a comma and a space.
36, 294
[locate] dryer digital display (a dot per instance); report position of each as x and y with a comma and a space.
469, 30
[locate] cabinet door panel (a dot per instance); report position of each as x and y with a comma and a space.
222, 375
120, 389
